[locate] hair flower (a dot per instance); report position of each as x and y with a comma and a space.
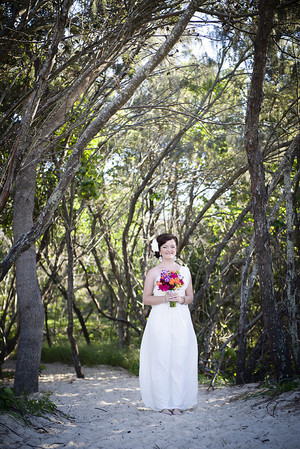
154, 246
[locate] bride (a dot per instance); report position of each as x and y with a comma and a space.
169, 355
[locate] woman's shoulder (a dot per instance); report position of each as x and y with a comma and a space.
184, 270
153, 272
183, 267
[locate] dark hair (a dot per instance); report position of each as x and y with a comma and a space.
162, 239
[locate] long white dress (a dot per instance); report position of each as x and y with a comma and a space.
169, 355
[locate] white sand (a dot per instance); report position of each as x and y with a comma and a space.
106, 411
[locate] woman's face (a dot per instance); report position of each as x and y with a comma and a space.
168, 250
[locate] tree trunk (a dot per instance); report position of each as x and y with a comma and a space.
290, 265
272, 323
31, 313
246, 287
70, 328
123, 331
48, 338
256, 368
70, 295
80, 317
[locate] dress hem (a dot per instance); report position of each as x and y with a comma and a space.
172, 407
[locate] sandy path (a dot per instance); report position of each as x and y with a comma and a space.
106, 412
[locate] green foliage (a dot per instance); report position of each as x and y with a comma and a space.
95, 354
25, 406
57, 353
228, 365
273, 388
118, 160
203, 380
223, 379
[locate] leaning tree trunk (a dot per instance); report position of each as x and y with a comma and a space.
272, 322
30, 307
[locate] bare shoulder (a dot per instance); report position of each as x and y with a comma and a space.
184, 267
185, 271
179, 267
153, 272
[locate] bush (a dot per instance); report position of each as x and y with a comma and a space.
23, 406
94, 354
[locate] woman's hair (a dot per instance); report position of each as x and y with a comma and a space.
162, 239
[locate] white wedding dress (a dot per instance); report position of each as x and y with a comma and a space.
169, 355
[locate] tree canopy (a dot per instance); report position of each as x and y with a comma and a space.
121, 120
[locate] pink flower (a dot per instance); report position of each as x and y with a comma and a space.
169, 280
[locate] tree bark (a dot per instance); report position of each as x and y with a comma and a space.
246, 287
70, 293
272, 324
255, 370
31, 312
290, 265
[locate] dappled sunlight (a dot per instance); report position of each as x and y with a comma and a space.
104, 388
104, 410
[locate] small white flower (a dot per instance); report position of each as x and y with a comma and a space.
154, 246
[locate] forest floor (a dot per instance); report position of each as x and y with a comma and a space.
104, 410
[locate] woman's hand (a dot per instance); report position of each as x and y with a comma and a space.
173, 296
169, 296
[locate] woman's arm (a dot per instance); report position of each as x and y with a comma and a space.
189, 295
148, 298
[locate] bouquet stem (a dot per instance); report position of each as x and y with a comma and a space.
172, 303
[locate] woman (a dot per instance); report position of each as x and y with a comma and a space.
168, 357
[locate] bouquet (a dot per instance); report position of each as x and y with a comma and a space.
170, 280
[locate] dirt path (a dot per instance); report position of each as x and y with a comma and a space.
106, 411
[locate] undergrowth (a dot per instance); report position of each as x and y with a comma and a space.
94, 354
20, 407
273, 388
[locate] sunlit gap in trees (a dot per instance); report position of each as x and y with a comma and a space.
205, 39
